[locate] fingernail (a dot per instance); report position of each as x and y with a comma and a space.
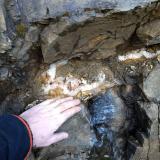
66, 135
78, 109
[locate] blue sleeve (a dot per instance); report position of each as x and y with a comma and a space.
14, 138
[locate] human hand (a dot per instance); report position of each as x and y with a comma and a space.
45, 118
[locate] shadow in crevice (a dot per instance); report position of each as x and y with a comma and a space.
119, 122
139, 121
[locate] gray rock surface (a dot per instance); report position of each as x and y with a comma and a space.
24, 45
150, 151
5, 42
151, 85
2, 18
34, 11
4, 74
150, 32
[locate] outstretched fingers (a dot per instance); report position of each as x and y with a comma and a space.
60, 101
49, 101
55, 101
69, 113
67, 105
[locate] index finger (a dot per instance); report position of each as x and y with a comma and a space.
69, 113
67, 105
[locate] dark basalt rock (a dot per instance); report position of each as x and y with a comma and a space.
119, 123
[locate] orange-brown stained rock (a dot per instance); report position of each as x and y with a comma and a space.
72, 83
44, 78
92, 43
58, 92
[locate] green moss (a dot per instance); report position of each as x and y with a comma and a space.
21, 29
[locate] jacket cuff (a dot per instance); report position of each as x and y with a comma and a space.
29, 134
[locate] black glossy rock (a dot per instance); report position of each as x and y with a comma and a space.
108, 119
119, 122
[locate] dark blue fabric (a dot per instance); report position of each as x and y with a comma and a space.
14, 138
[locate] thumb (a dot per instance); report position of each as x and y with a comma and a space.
58, 137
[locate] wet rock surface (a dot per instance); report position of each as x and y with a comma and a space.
108, 119
116, 120
100, 41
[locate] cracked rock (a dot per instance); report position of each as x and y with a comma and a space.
98, 39
5, 42
150, 32
150, 148
151, 85
42, 9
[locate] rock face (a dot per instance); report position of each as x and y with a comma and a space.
34, 11
5, 42
149, 151
151, 85
113, 119
23, 46
72, 28
97, 38
35, 34
4, 74
150, 32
